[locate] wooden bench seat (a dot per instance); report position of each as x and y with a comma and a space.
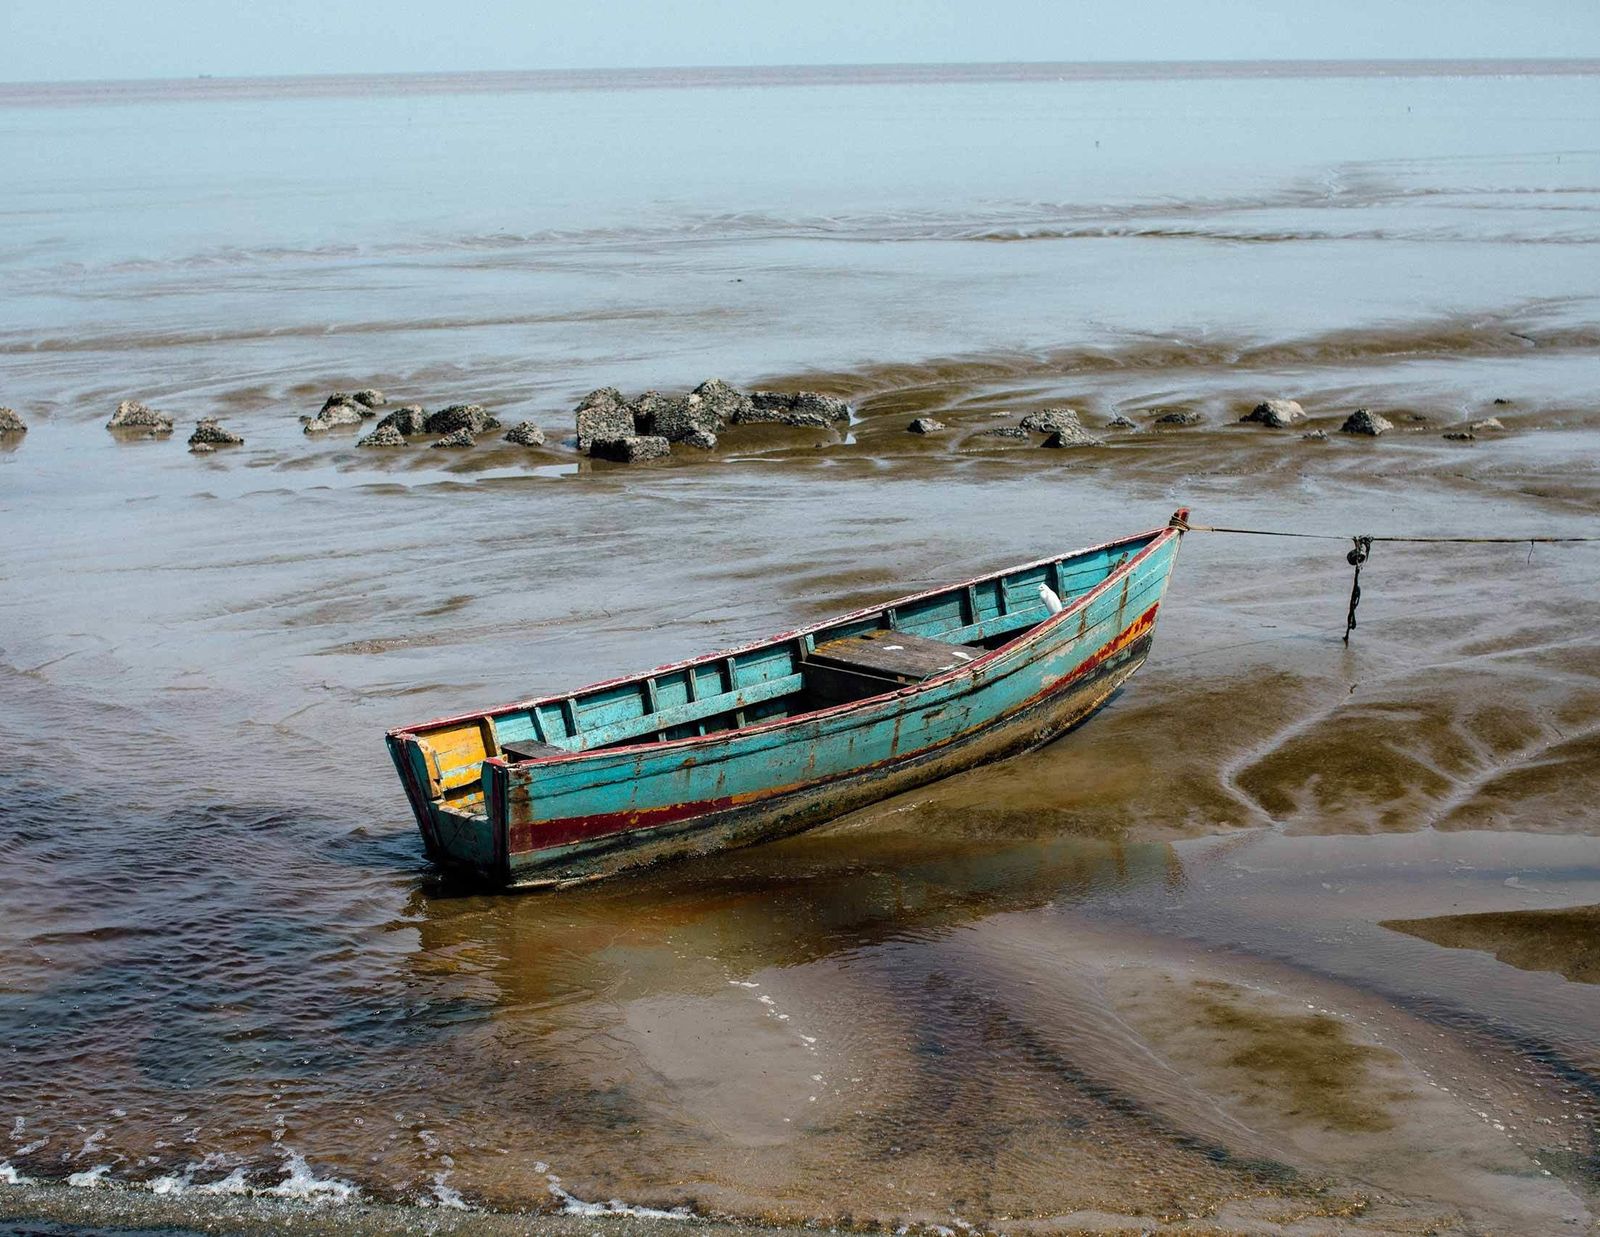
893, 655
854, 667
530, 749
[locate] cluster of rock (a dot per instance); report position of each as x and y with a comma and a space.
1275, 414
1283, 413
1062, 427
633, 450
140, 418
1049, 420
135, 417
456, 439
458, 426
1065, 429
343, 409
404, 422
457, 418
612, 427
384, 436
803, 408
1487, 425
604, 415
209, 435
1363, 421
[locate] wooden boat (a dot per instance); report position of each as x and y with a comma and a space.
775, 737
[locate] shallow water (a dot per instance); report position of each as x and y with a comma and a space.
1138, 976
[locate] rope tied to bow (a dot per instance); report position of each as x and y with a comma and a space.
1361, 548
1183, 526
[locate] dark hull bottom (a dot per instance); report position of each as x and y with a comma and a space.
1028, 728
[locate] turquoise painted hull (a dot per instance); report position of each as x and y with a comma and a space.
733, 749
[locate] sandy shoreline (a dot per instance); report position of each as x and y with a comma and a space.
52, 1210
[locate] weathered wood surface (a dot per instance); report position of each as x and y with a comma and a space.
738, 746
529, 749
893, 654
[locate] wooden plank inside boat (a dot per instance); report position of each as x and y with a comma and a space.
530, 749
893, 655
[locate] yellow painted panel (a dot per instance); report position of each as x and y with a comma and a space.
456, 753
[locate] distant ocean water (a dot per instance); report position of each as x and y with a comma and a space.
690, 78
588, 228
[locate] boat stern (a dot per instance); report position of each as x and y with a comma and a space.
448, 775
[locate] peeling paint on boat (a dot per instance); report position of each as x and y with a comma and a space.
671, 763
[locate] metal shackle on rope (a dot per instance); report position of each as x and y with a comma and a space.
1358, 555
1363, 547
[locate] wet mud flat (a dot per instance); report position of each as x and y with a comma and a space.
1291, 937
1563, 941
1141, 978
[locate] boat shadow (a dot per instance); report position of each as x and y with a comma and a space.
849, 887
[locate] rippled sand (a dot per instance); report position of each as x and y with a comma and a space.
1121, 981
1292, 937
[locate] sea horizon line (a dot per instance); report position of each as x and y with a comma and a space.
679, 77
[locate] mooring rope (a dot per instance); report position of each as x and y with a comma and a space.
1185, 526
1362, 549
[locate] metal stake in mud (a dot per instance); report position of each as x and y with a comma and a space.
1355, 558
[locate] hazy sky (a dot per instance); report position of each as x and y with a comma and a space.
52, 40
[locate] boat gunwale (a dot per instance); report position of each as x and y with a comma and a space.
856, 771
1157, 537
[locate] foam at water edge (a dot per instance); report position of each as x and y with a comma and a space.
10, 1176
302, 1183
233, 1183
299, 1183
183, 1182
571, 1206
444, 1195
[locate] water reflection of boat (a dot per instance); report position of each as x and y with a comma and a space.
777, 737
798, 901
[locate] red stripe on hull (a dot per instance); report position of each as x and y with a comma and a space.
581, 828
